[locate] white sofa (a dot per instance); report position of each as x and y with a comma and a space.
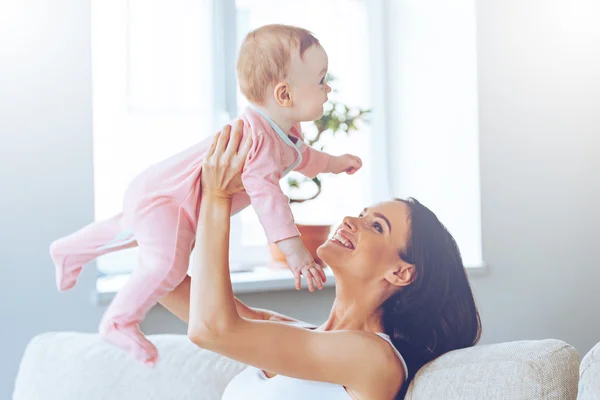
589, 377
76, 366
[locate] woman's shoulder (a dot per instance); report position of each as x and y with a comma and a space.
389, 364
376, 348
393, 352
386, 368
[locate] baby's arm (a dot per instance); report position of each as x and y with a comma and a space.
261, 180
315, 162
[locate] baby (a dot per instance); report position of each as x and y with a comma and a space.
281, 71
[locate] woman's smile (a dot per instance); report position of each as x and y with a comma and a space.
343, 239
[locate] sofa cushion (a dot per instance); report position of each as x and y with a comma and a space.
76, 366
589, 378
541, 369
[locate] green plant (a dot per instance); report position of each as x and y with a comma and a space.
337, 118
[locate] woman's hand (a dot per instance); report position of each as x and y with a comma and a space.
223, 163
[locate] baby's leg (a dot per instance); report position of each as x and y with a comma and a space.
165, 241
72, 252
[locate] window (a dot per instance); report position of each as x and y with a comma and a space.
164, 78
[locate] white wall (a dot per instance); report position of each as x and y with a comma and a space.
539, 90
45, 168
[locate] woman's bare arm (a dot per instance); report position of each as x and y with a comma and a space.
178, 303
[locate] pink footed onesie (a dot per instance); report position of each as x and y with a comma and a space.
160, 215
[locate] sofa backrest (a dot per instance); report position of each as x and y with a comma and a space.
74, 366
537, 369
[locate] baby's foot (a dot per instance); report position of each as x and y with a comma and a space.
129, 338
67, 272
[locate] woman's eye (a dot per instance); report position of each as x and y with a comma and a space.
322, 81
378, 226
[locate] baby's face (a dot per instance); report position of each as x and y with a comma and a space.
308, 88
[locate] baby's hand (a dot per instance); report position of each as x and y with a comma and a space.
302, 263
346, 163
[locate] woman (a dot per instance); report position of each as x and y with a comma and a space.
402, 299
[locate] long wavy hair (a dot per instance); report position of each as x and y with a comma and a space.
436, 312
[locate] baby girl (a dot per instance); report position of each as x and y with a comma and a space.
281, 71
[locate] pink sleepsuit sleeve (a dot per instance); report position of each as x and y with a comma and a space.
261, 180
314, 161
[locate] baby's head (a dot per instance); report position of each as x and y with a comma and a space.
284, 66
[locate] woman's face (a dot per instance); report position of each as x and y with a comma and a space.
367, 246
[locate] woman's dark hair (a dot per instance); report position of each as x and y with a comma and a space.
436, 312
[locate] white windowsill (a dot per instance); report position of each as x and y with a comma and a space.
256, 280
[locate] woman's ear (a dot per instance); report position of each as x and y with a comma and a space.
282, 94
401, 274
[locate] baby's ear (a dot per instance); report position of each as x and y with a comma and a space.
282, 94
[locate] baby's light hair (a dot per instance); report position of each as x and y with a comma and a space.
265, 56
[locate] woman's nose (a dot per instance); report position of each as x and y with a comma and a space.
328, 89
350, 224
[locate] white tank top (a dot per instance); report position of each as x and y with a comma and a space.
253, 384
